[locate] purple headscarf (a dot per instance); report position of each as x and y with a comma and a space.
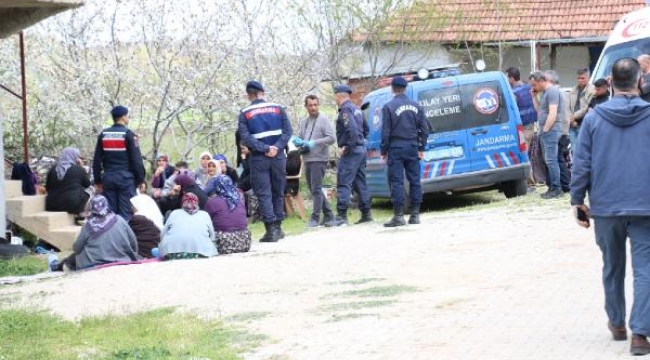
68, 157
101, 216
185, 181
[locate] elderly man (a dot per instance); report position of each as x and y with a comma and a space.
644, 62
611, 162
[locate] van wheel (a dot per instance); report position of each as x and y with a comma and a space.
515, 188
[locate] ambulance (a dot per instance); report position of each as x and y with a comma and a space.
476, 141
630, 38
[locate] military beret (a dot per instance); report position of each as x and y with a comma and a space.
254, 85
342, 88
119, 111
399, 81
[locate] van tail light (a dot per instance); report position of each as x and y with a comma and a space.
522, 139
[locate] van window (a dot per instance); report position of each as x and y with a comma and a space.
628, 49
465, 106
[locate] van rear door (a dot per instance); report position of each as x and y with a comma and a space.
376, 169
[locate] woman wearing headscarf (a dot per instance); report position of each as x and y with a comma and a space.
146, 223
188, 232
202, 171
68, 185
225, 169
104, 239
163, 172
184, 183
228, 214
214, 169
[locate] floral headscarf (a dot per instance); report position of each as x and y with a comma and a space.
222, 185
68, 157
190, 203
101, 216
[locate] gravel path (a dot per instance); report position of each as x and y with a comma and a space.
497, 283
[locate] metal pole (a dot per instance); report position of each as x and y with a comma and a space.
24, 97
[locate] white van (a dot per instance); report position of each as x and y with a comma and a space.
630, 38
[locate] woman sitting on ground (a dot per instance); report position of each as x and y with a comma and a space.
184, 183
214, 169
228, 214
68, 185
202, 170
225, 169
146, 223
188, 232
105, 238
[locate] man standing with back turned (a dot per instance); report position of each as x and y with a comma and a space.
611, 163
404, 132
265, 129
117, 153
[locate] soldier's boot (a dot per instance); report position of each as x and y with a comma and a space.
366, 216
415, 217
341, 219
278, 227
271, 234
398, 217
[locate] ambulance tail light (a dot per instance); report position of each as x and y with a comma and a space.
522, 138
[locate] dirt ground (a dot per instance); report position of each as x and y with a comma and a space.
517, 280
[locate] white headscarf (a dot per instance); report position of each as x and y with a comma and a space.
146, 206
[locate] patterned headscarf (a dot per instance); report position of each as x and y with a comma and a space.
190, 203
185, 180
101, 216
224, 187
222, 157
67, 158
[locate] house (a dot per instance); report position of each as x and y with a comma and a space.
16, 15
544, 34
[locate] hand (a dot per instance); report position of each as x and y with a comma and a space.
175, 190
585, 208
297, 141
80, 162
420, 155
272, 151
344, 150
384, 158
310, 144
156, 193
159, 170
574, 124
99, 188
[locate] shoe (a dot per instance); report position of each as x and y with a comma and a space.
278, 228
639, 345
312, 223
365, 218
80, 220
619, 333
53, 263
341, 219
414, 218
329, 220
552, 194
271, 234
398, 218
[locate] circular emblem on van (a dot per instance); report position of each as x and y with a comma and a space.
376, 118
635, 28
486, 101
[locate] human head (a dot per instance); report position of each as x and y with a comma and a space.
120, 114
342, 93
311, 104
68, 157
162, 160
644, 62
625, 75
254, 90
182, 165
223, 162
185, 180
398, 85
514, 76
99, 206
600, 87
214, 167
204, 158
224, 187
190, 203
583, 77
538, 81
552, 77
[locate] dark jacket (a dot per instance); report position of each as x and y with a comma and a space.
350, 129
68, 194
403, 122
147, 234
171, 203
262, 125
611, 158
117, 150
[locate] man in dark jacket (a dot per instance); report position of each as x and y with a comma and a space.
611, 164
117, 153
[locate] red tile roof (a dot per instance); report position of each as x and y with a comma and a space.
506, 20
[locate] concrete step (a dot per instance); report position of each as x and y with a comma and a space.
13, 188
64, 237
54, 220
24, 205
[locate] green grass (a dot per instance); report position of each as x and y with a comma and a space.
377, 291
26, 265
248, 316
154, 335
357, 281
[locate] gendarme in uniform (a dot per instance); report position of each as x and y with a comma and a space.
404, 133
265, 129
117, 164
